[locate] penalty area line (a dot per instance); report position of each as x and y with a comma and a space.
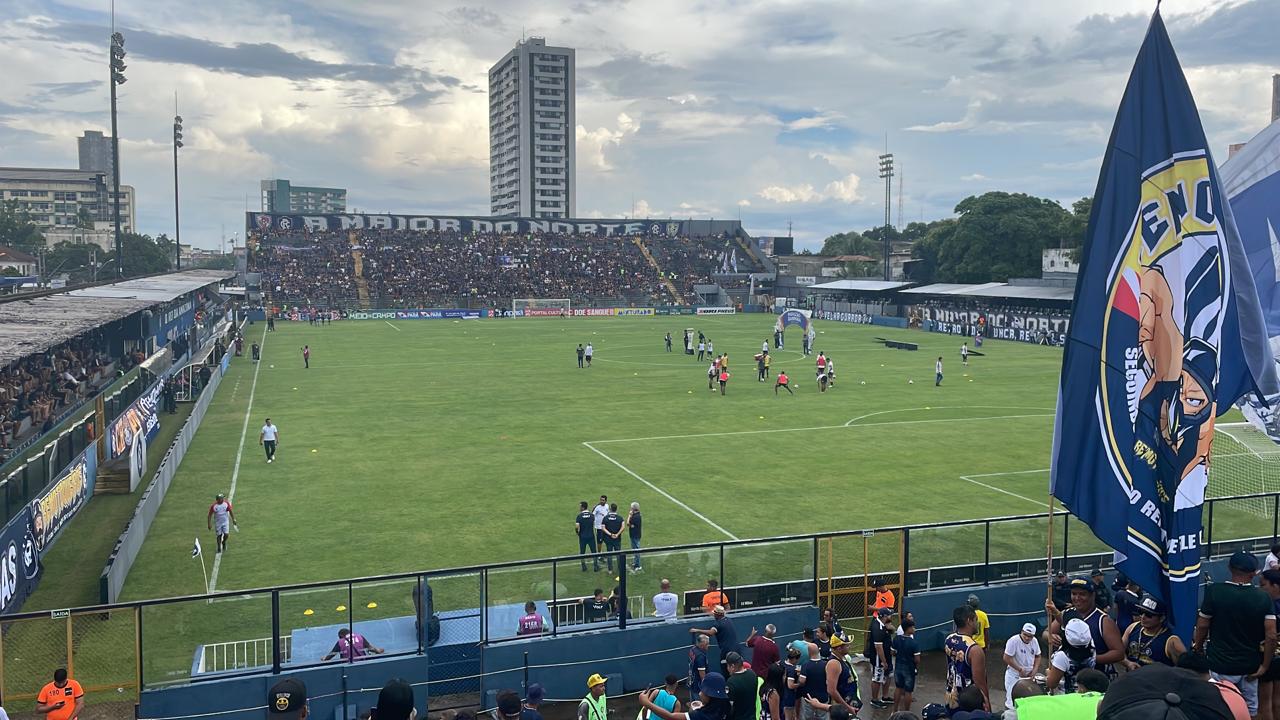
969, 478
393, 327
662, 492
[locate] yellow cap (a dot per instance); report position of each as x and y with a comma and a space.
836, 641
595, 680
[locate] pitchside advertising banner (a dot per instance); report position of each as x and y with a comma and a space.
33, 529
142, 415
451, 314
1001, 325
266, 222
860, 318
715, 311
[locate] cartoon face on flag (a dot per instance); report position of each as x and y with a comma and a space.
1164, 325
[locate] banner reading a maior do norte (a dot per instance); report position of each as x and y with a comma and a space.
142, 416
267, 222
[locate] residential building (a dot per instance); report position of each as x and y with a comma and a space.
17, 261
531, 132
281, 196
68, 205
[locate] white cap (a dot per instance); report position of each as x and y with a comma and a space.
1078, 633
1029, 629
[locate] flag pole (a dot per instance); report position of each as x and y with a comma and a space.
1048, 587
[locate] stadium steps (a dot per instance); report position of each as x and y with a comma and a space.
357, 259
112, 481
671, 287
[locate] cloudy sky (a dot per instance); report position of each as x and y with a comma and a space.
770, 108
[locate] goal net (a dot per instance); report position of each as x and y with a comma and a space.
1244, 461
542, 306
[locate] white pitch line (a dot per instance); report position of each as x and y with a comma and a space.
1002, 490
946, 407
662, 492
820, 427
235, 473
393, 327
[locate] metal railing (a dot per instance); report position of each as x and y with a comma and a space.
182, 639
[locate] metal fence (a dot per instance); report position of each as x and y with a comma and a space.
152, 644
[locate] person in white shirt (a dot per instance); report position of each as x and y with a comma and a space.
269, 438
665, 602
702, 349
1021, 659
589, 352
764, 346
964, 354
937, 371
598, 514
1272, 561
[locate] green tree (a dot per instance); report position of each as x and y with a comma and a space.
850, 243
915, 231
1000, 235
75, 259
925, 250
17, 231
144, 255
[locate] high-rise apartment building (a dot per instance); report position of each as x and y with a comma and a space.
95, 152
531, 132
279, 196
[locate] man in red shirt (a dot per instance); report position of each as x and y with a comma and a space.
764, 651
783, 381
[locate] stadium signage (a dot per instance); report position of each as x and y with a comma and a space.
19, 562
449, 314
1033, 322
264, 222
715, 311
142, 416
806, 280
674, 310
860, 318
635, 312
53, 509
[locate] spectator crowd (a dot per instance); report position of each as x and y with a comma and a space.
36, 390
403, 268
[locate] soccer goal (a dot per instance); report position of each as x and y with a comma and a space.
1244, 461
542, 306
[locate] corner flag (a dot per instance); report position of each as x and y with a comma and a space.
195, 551
1166, 334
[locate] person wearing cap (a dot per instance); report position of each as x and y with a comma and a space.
884, 596
1106, 636
62, 699
743, 687
595, 705
1100, 590
712, 702
1061, 591
1161, 692
219, 520
933, 711
533, 698
879, 650
287, 700
395, 702
698, 663
984, 623
1021, 659
725, 633
966, 660
1150, 640
1238, 621
1076, 654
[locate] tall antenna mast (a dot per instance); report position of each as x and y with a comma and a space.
901, 180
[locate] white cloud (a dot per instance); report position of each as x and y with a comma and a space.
592, 143
974, 177
843, 190
744, 203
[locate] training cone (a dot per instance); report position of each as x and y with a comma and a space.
313, 450
372, 605
308, 611
911, 382
761, 417
341, 608
864, 382
928, 408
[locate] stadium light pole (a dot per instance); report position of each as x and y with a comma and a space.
117, 78
177, 226
886, 174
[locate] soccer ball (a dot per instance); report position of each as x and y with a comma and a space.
911, 382
864, 382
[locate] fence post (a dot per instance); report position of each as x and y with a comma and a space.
722, 592
137, 645
906, 561
1209, 531
351, 612
551, 609
1275, 518
816, 584
622, 591
484, 606
986, 554
275, 631
526, 672
71, 659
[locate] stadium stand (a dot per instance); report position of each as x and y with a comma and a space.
401, 268
36, 390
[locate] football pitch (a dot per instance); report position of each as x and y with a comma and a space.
416, 445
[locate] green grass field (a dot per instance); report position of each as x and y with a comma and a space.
415, 445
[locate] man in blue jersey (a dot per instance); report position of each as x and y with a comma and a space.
584, 525
698, 664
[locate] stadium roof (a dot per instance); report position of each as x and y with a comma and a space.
49, 174
866, 285
997, 290
31, 326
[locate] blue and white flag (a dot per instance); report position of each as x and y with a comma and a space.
1166, 334
1251, 180
195, 551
